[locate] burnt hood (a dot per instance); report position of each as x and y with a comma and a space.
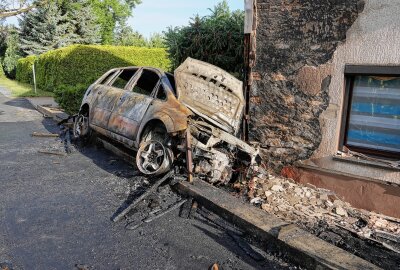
211, 93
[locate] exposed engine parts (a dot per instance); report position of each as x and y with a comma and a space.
217, 155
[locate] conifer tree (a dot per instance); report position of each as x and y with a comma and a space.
57, 25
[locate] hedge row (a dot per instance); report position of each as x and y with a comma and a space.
73, 68
24, 69
83, 64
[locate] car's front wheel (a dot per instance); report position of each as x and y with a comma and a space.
154, 156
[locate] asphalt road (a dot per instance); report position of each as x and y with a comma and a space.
55, 210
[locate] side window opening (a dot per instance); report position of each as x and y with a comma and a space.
161, 93
123, 78
107, 79
146, 83
171, 79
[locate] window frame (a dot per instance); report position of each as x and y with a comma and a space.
157, 89
132, 83
120, 71
350, 72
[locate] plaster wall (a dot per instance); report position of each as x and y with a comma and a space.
373, 39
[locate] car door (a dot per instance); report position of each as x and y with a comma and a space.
127, 115
107, 94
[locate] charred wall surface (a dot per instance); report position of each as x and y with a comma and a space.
296, 40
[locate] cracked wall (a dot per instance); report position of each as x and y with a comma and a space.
296, 40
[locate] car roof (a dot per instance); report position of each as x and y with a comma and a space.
157, 70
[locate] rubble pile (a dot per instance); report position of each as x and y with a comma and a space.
307, 206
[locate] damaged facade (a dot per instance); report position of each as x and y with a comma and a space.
326, 79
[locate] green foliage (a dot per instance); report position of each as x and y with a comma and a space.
156, 41
85, 63
58, 24
216, 38
1, 71
24, 69
70, 97
12, 54
19, 89
111, 12
81, 65
4, 30
125, 36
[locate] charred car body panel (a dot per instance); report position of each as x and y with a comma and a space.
125, 103
211, 92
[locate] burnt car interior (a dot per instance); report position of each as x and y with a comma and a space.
123, 78
146, 83
142, 81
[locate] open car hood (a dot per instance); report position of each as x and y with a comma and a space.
211, 93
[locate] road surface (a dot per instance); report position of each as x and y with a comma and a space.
55, 210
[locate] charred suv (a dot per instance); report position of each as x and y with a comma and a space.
192, 116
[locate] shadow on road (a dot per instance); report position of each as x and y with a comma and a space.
20, 102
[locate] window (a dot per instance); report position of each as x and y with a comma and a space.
123, 78
373, 112
146, 83
171, 79
107, 79
161, 93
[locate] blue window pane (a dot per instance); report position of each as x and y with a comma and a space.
374, 121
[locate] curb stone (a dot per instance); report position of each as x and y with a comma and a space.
55, 113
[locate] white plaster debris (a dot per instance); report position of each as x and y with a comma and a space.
309, 205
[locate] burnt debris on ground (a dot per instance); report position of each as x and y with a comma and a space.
163, 199
219, 158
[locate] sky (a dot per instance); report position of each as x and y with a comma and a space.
154, 16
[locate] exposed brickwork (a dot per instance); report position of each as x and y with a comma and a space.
292, 35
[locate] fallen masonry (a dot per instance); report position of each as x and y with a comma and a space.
321, 212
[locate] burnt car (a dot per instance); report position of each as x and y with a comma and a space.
157, 113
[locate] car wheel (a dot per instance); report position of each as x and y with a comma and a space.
81, 126
154, 156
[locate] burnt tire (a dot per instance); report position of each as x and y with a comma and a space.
81, 129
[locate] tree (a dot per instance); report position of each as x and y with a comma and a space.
84, 25
9, 8
58, 25
12, 54
156, 41
4, 30
111, 12
216, 38
125, 36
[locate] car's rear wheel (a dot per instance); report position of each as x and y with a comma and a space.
81, 126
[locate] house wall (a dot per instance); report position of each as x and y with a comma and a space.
302, 48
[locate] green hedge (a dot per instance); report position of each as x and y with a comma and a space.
70, 97
83, 64
24, 69
69, 71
